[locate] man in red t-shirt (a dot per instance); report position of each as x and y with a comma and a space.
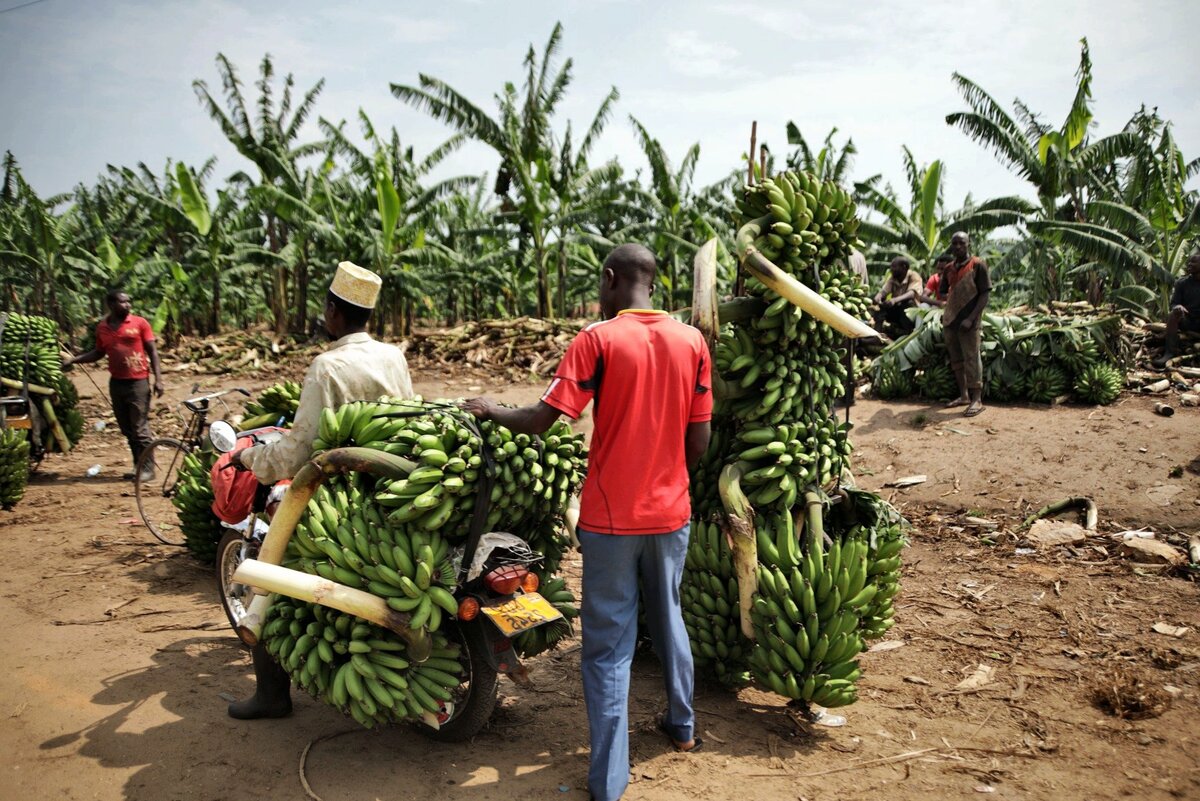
128, 342
648, 379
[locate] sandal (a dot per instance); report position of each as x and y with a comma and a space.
697, 743
956, 402
974, 409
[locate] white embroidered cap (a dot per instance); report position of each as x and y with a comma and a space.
356, 285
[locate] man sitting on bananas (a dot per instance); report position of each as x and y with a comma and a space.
1185, 310
898, 293
647, 377
355, 367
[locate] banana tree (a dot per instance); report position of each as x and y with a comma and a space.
522, 135
921, 229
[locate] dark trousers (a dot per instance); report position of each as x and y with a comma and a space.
131, 405
895, 317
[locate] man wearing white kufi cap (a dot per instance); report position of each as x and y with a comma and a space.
355, 367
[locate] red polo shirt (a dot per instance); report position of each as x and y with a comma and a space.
648, 376
125, 346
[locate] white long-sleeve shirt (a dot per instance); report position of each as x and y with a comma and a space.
354, 368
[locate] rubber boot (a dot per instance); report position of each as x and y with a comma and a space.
1170, 348
273, 694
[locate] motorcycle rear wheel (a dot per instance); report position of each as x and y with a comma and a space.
475, 698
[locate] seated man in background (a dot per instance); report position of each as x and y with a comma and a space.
937, 287
1185, 310
898, 293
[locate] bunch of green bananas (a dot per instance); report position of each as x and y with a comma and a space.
1045, 383
936, 381
892, 382
778, 375
532, 477
14, 466
43, 367
709, 595
37, 330
543, 638
358, 667
1099, 383
193, 498
277, 401
398, 539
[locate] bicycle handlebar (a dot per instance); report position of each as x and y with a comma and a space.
200, 402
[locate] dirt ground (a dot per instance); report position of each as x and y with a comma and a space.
119, 658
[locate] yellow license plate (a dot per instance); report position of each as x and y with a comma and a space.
526, 611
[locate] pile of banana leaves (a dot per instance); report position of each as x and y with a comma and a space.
1027, 355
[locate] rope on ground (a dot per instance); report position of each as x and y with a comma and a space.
308, 790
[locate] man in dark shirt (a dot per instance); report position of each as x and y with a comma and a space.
1185, 309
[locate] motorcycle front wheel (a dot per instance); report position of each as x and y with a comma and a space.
235, 598
475, 698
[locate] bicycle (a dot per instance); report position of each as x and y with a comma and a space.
156, 474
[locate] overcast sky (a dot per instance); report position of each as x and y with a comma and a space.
84, 83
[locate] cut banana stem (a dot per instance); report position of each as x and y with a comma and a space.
739, 526
797, 293
314, 589
1090, 514
705, 314
64, 444
305, 484
36, 389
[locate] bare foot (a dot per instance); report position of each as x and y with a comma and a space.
975, 408
963, 401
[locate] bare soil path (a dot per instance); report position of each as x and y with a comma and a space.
116, 654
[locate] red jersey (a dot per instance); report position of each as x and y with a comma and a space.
125, 346
648, 376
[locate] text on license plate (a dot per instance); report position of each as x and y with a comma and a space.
523, 612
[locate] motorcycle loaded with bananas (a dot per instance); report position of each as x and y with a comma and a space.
410, 562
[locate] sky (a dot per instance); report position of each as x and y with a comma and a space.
85, 83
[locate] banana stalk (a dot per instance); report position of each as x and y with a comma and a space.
1090, 515
705, 314
295, 502
739, 526
314, 589
811, 302
36, 389
64, 444
814, 528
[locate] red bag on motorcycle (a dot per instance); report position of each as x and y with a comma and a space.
233, 491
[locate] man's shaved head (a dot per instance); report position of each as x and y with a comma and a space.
634, 263
627, 279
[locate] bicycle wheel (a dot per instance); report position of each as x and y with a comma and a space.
154, 487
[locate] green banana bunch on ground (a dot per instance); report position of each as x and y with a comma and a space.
1045, 383
14, 466
193, 498
892, 383
1026, 356
1099, 383
401, 540
778, 376
936, 381
275, 402
356, 666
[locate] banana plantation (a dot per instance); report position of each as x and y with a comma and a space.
1107, 216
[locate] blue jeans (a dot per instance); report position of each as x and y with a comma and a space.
612, 565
